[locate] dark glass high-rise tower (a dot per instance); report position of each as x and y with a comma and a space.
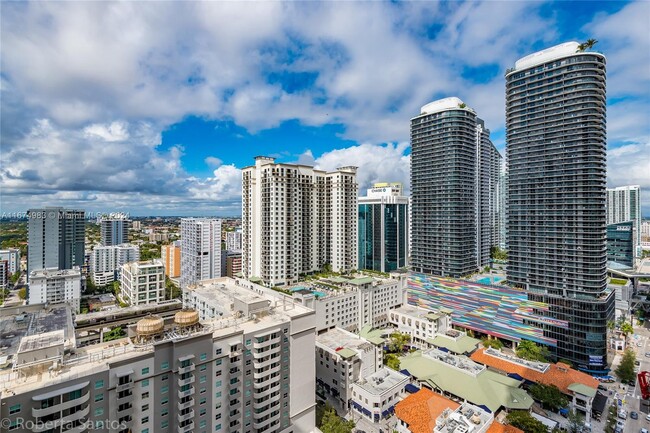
556, 162
454, 175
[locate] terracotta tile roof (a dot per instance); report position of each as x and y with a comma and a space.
421, 409
559, 374
497, 427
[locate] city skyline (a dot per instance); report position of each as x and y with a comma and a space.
121, 123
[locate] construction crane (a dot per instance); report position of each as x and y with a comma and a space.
644, 384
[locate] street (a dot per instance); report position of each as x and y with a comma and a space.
633, 395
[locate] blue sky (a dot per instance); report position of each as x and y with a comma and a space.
153, 108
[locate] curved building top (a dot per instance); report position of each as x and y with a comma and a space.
557, 52
442, 105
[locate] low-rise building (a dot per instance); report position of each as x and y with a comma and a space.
143, 282
54, 286
579, 387
421, 324
352, 302
216, 297
343, 358
374, 397
461, 378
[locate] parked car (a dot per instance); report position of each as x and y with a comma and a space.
634, 415
622, 415
643, 430
647, 417
620, 424
647, 354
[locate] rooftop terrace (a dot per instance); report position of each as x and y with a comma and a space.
338, 340
381, 381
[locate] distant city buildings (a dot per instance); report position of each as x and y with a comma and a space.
383, 228
114, 229
200, 250
56, 238
106, 262
296, 220
556, 160
12, 256
55, 286
143, 282
621, 242
233, 263
4, 276
502, 210
171, 257
624, 204
233, 240
645, 234
454, 177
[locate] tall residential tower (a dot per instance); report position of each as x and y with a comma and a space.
624, 204
200, 250
296, 220
114, 229
556, 161
454, 176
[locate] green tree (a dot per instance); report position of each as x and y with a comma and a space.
332, 423
627, 329
14, 277
172, 291
391, 360
549, 396
532, 352
575, 422
22, 293
589, 44
497, 253
114, 334
494, 343
398, 341
525, 421
625, 370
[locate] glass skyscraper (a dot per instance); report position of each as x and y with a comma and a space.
454, 177
620, 243
383, 228
556, 162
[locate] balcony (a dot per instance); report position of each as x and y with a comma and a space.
188, 403
269, 391
124, 386
266, 343
258, 355
261, 374
125, 409
185, 417
261, 424
76, 416
266, 382
37, 413
187, 381
187, 393
186, 428
187, 369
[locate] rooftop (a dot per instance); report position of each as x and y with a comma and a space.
466, 418
452, 103
381, 381
41, 341
417, 312
460, 343
223, 291
420, 410
327, 287
465, 379
375, 336
337, 340
559, 374
499, 311
55, 272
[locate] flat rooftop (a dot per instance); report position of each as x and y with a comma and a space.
223, 291
418, 313
466, 418
326, 287
41, 341
499, 311
337, 340
381, 381
54, 272
16, 323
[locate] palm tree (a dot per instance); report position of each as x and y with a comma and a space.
587, 45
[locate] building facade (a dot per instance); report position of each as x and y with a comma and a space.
12, 256
55, 286
374, 397
200, 250
56, 238
556, 161
297, 220
624, 204
106, 262
233, 240
233, 264
114, 229
233, 375
421, 324
4, 276
454, 177
383, 228
621, 243
171, 257
143, 282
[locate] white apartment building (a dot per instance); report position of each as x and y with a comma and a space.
343, 358
236, 374
143, 282
4, 275
12, 256
374, 397
352, 303
624, 204
233, 240
106, 262
200, 250
54, 286
421, 324
296, 220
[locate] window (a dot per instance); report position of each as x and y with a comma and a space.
164, 412
145, 407
164, 365
202, 423
145, 394
164, 377
164, 424
203, 357
99, 411
98, 397
217, 383
217, 362
99, 384
217, 352
202, 379
144, 420
145, 383
203, 367
202, 412
164, 400
217, 427
145, 370
145, 430
202, 400
15, 409
164, 389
